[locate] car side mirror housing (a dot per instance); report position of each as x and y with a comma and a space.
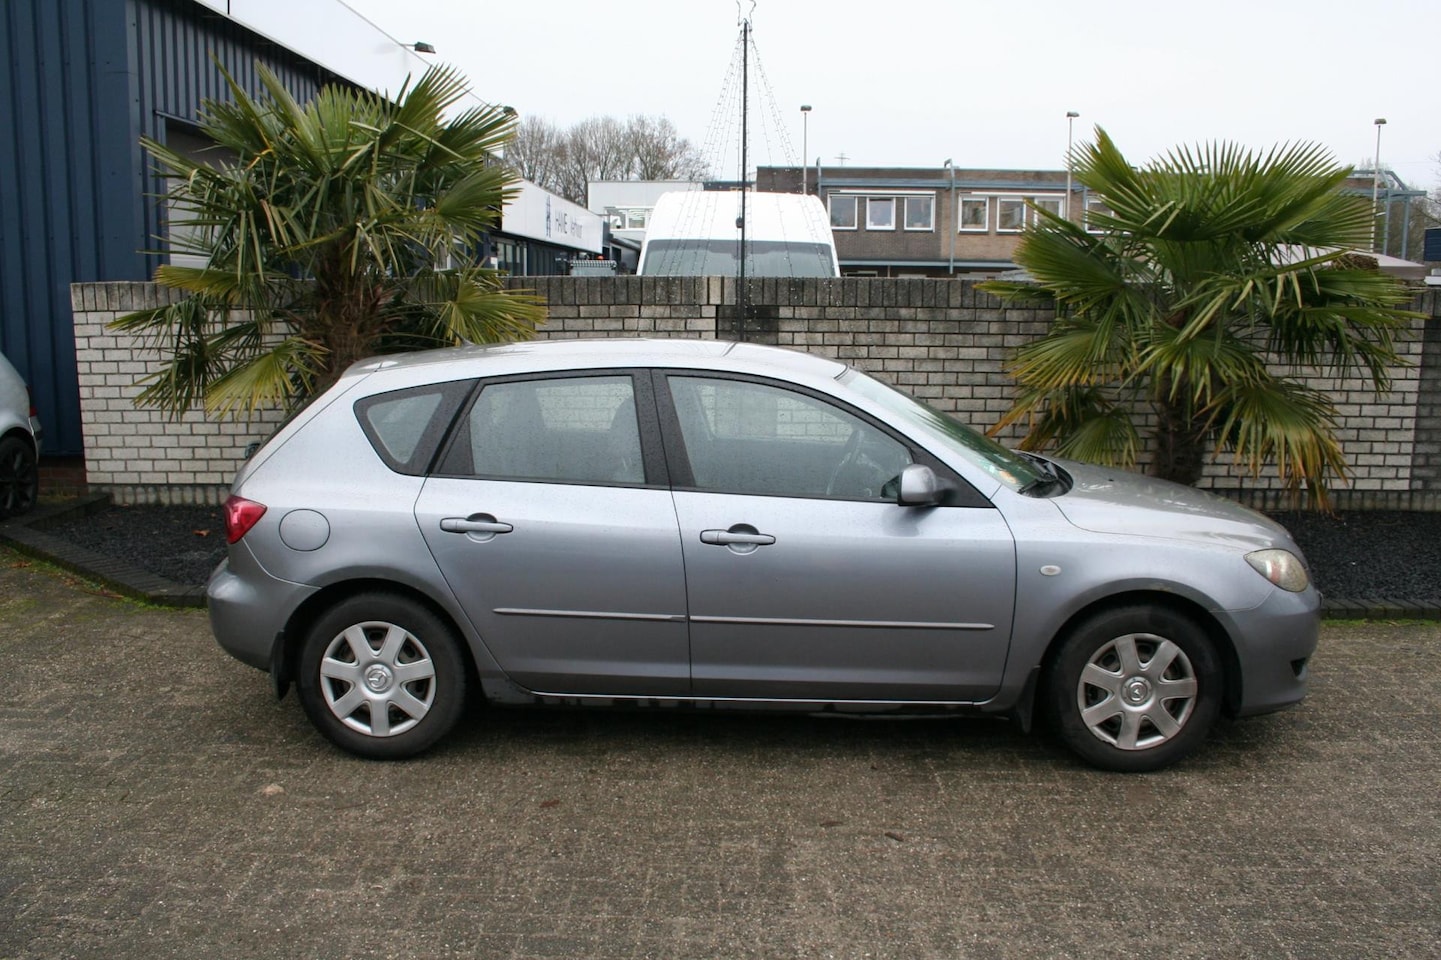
920, 487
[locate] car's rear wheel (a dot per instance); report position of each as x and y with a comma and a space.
19, 477
382, 676
1134, 688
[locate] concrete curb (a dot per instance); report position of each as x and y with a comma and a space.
27, 535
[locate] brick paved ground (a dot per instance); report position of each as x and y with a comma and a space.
155, 802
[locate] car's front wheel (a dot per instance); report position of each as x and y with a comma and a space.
1134, 688
19, 477
382, 676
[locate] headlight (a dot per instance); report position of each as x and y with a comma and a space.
1281, 567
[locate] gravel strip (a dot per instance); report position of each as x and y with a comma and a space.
178, 543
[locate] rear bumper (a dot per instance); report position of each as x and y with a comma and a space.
248, 612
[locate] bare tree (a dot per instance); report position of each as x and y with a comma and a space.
660, 153
595, 149
534, 151
601, 148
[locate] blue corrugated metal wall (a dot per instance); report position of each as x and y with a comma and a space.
85, 79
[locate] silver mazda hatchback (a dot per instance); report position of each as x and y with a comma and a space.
668, 522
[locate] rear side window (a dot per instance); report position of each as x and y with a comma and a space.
406, 426
561, 430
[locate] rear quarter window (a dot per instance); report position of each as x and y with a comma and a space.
406, 427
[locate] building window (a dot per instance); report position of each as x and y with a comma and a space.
1010, 214
975, 214
880, 213
510, 257
920, 213
1095, 206
637, 219
1051, 205
843, 213
188, 236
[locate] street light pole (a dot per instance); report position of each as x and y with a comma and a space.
1071, 116
805, 145
1376, 179
955, 225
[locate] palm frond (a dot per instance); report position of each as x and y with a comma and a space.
275, 377
1214, 264
1282, 422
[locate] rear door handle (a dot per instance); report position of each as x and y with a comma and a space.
478, 526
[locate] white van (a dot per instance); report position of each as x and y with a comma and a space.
694, 233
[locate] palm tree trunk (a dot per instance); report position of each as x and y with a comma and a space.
1179, 449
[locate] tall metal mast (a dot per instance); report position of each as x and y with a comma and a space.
741, 222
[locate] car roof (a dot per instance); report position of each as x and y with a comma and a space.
540, 355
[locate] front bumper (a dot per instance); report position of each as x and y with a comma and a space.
1274, 644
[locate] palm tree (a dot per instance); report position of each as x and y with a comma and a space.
1214, 279
327, 236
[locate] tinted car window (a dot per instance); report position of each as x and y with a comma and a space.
567, 430
406, 426
746, 437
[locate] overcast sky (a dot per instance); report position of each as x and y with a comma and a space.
911, 82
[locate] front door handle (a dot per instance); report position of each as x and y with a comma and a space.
741, 538
477, 526
726, 538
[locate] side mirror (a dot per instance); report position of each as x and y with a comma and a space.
920, 487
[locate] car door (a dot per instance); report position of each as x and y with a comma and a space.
553, 524
805, 578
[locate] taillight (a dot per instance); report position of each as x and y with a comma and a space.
240, 516
34, 410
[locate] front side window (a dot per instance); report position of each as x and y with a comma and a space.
881, 213
749, 438
1008, 467
975, 214
843, 213
563, 430
920, 213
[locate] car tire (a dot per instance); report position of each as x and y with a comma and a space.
19, 477
382, 676
1135, 688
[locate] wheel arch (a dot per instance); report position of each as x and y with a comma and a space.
288, 644
20, 433
1215, 631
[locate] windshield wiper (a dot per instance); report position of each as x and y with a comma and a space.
1050, 474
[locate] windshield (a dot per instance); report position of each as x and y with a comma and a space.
1007, 466
700, 257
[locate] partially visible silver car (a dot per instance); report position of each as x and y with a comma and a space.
679, 522
20, 436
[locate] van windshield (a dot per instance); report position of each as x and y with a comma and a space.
699, 257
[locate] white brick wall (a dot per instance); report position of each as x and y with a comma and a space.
948, 345
138, 454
